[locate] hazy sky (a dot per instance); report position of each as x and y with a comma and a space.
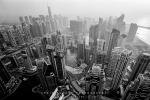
137, 11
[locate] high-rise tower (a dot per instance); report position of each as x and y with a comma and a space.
11, 37
100, 57
27, 19
59, 66
112, 42
49, 12
115, 55
40, 64
121, 65
80, 52
132, 32
21, 19
87, 54
94, 82
100, 44
141, 64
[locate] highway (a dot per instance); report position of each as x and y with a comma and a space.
74, 84
89, 66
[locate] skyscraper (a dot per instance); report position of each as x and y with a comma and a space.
32, 30
121, 40
94, 33
100, 23
27, 19
31, 21
80, 51
5, 76
131, 89
27, 60
60, 21
143, 88
120, 66
76, 26
48, 27
49, 12
44, 43
100, 28
119, 21
26, 31
41, 30
35, 52
37, 28
44, 28
127, 73
52, 83
138, 89
40, 63
54, 40
52, 25
107, 38
115, 55
59, 66
79, 27
141, 64
21, 19
73, 25
94, 82
85, 26
109, 23
2, 42
4, 36
100, 44
100, 57
42, 18
59, 46
87, 55
112, 42
11, 37
132, 32
91, 45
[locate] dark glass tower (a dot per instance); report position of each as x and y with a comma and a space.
131, 89
140, 66
80, 51
87, 55
51, 81
59, 66
40, 65
4, 75
112, 42
51, 56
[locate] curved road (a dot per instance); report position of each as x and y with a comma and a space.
88, 67
73, 79
74, 83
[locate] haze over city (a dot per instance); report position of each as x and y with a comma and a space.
74, 50
136, 11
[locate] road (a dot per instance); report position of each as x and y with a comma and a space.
74, 84
89, 66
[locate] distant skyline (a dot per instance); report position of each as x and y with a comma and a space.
136, 11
